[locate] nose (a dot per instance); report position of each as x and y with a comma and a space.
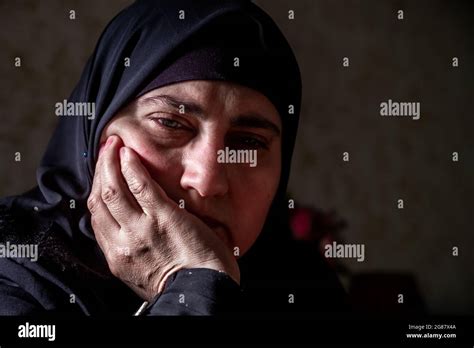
202, 172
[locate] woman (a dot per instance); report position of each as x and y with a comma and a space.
135, 208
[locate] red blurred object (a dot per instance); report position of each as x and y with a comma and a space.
301, 224
311, 224
318, 228
368, 292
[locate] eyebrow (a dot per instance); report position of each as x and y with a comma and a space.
189, 106
255, 121
252, 120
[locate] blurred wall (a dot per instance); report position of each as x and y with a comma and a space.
390, 158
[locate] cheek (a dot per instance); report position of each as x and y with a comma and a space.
253, 195
162, 164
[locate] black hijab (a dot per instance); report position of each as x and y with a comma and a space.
152, 35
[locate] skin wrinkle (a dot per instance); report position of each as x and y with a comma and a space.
149, 165
166, 162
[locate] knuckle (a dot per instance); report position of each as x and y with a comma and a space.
162, 224
109, 194
92, 204
118, 258
138, 188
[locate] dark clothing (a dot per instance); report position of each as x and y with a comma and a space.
71, 274
59, 282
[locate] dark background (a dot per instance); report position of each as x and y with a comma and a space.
407, 60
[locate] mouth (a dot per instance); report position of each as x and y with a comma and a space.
221, 229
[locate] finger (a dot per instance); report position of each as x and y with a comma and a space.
115, 193
146, 191
102, 238
101, 219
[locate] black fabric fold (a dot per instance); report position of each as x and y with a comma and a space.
150, 34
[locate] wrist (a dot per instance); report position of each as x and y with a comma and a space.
232, 271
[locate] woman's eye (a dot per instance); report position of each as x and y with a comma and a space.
249, 143
168, 123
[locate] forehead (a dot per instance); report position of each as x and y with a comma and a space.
219, 96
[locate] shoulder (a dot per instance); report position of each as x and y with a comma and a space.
36, 265
21, 226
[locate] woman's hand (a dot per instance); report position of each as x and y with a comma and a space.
144, 235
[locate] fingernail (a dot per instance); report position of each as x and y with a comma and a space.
123, 152
109, 140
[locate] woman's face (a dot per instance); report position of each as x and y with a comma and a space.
178, 130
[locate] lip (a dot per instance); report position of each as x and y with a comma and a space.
219, 227
213, 223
